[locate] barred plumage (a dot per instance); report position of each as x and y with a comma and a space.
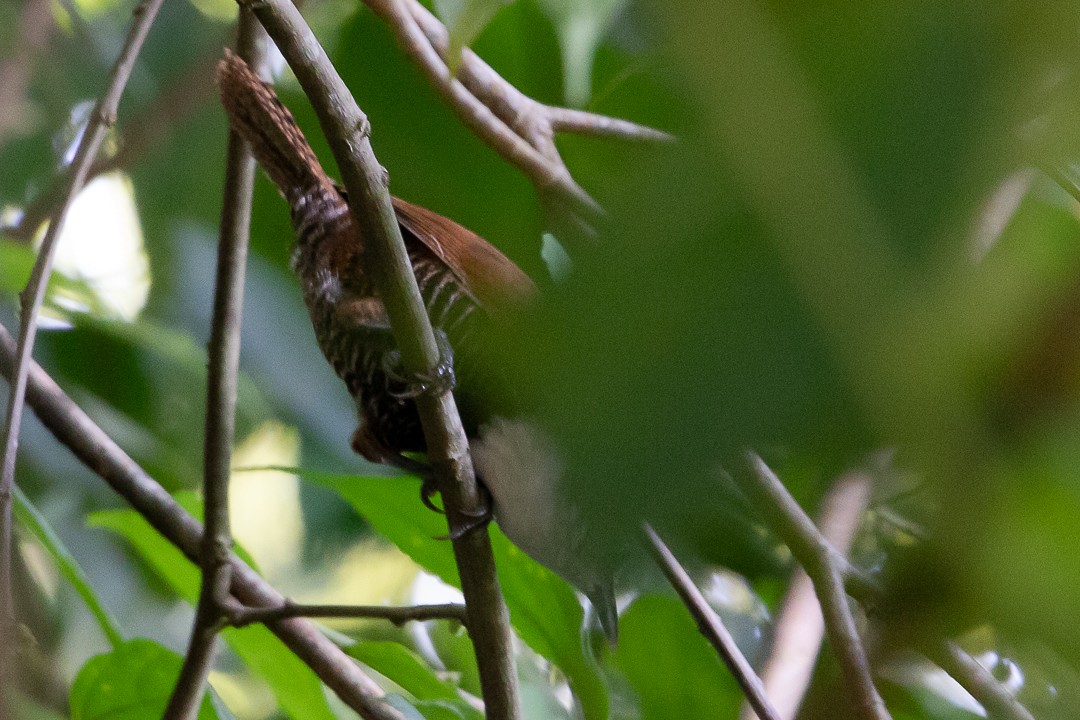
461, 277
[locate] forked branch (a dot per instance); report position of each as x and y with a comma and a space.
519, 128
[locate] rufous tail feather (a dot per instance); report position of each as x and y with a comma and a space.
276, 140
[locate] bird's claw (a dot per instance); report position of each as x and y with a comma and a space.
427, 490
475, 520
441, 378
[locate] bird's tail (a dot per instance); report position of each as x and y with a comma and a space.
276, 140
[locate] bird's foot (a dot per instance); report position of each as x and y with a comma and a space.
428, 489
474, 520
440, 379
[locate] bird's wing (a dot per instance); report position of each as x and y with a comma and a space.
484, 272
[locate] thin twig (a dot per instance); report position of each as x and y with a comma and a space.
519, 128
145, 132
517, 109
800, 626
398, 615
582, 122
103, 116
999, 703
548, 175
224, 364
346, 129
712, 627
94, 448
826, 568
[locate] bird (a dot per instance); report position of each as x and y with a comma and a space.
465, 283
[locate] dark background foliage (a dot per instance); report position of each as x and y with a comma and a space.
823, 266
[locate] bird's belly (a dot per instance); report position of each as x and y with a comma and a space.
522, 469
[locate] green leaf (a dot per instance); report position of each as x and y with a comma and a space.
465, 19
404, 667
674, 671
16, 262
543, 608
445, 710
133, 681
547, 615
408, 710
390, 505
69, 568
581, 25
296, 687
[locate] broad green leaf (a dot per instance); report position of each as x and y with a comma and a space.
581, 26
295, 686
674, 671
390, 505
543, 608
404, 667
39, 527
134, 681
465, 20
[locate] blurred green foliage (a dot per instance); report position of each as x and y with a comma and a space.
133, 681
829, 262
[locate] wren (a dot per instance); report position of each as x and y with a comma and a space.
464, 282
462, 278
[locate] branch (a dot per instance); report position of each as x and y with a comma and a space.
346, 129
828, 570
397, 615
712, 627
517, 127
224, 363
799, 629
145, 132
88, 442
980, 683
101, 119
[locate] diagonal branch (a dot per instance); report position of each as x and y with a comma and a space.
980, 683
712, 628
103, 117
516, 109
224, 364
141, 134
95, 449
830, 571
346, 129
